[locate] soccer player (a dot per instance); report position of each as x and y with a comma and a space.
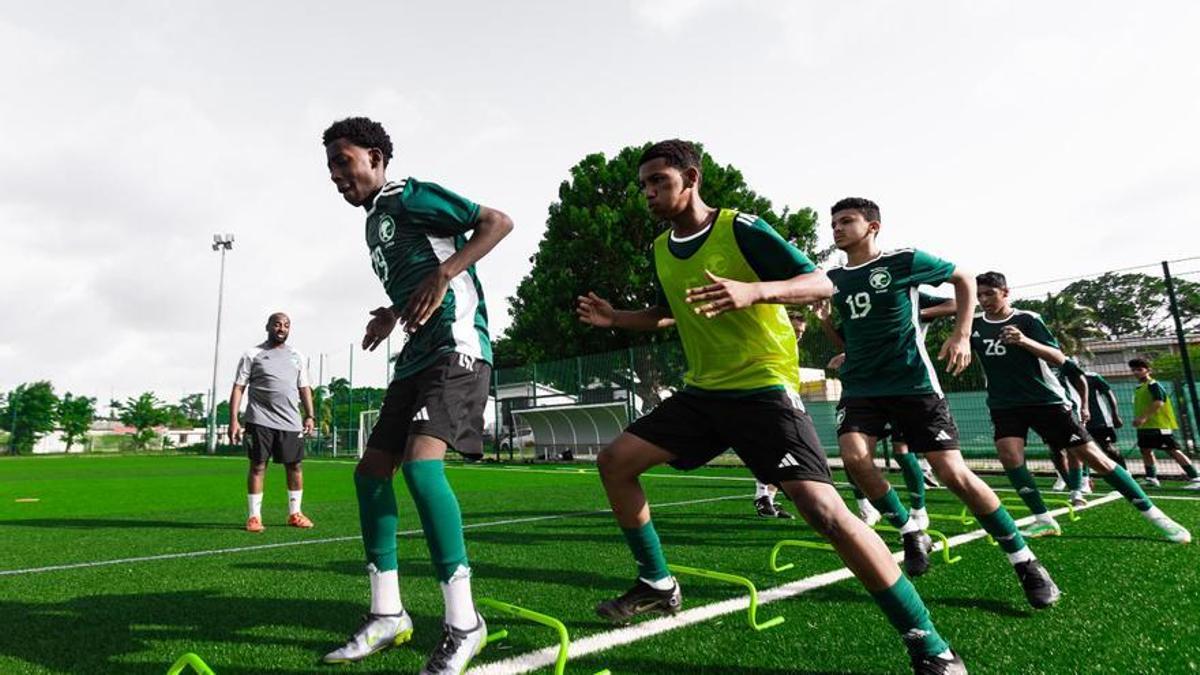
416, 233
1017, 352
721, 277
1154, 419
1072, 470
277, 376
888, 378
1104, 417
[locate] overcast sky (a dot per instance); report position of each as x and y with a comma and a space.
1042, 139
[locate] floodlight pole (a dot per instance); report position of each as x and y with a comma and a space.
221, 243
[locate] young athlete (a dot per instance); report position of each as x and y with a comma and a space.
1104, 416
1154, 419
721, 276
1017, 352
888, 379
1072, 470
416, 235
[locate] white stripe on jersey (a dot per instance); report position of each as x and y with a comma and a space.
914, 300
466, 301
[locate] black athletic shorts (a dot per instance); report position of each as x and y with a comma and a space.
1156, 439
922, 421
1103, 435
1056, 424
263, 443
445, 401
771, 432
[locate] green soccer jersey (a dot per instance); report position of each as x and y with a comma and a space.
412, 227
1102, 414
1014, 377
877, 305
1069, 373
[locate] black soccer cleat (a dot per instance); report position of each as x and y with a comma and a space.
917, 546
641, 599
933, 665
780, 513
1039, 588
766, 508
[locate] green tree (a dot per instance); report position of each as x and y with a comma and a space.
1137, 304
192, 408
30, 412
1169, 366
75, 416
598, 238
1070, 322
143, 413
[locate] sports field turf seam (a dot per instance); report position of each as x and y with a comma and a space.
600, 642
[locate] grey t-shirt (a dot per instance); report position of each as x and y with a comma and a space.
274, 377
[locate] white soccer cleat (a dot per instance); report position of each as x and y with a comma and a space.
1077, 499
1193, 484
456, 649
1059, 485
1152, 482
1172, 530
377, 633
920, 517
869, 514
1088, 487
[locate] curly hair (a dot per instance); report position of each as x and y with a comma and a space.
679, 154
868, 208
363, 132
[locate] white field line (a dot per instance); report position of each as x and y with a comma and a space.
330, 540
592, 644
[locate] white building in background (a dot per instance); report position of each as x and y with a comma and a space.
1110, 358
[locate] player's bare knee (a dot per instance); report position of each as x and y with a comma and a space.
258, 468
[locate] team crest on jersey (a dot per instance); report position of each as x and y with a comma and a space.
387, 229
879, 278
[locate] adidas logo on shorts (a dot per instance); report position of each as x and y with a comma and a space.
422, 415
943, 436
787, 461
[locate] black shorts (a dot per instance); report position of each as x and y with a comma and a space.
1156, 439
1056, 424
771, 432
922, 421
1103, 435
445, 401
263, 443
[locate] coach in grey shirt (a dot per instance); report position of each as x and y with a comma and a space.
278, 381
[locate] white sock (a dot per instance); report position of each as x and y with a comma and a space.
460, 607
385, 591
1024, 555
917, 512
254, 504
294, 501
664, 584
910, 525
865, 505
761, 490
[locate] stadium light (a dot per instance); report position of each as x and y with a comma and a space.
221, 243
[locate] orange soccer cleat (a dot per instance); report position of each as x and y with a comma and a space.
299, 520
254, 524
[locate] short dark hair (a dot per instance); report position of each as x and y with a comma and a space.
363, 132
866, 207
992, 279
679, 154
1139, 362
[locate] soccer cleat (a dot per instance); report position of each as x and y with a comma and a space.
1042, 528
917, 546
1172, 530
1077, 499
254, 524
641, 599
1088, 486
1193, 484
765, 507
931, 482
378, 632
1059, 485
456, 649
869, 514
781, 514
1151, 482
923, 664
920, 517
1040, 590
300, 520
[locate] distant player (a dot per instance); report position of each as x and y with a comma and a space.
277, 376
1017, 352
416, 233
888, 380
1104, 416
1076, 476
1154, 419
721, 276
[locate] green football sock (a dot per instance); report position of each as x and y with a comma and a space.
1190, 470
889, 505
377, 518
1122, 482
914, 480
1152, 470
1075, 478
1026, 487
441, 518
1002, 528
647, 551
904, 608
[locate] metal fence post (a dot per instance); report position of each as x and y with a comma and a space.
1189, 378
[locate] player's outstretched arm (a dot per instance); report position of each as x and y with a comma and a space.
490, 227
596, 311
723, 295
947, 308
956, 351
